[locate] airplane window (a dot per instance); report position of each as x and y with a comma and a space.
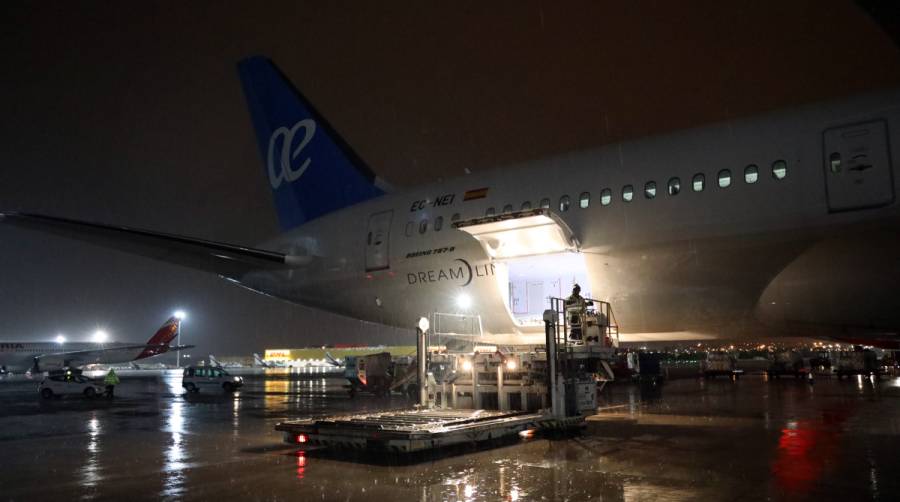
834, 161
584, 200
751, 173
526, 205
627, 193
724, 178
779, 169
423, 226
409, 227
674, 186
699, 182
438, 223
650, 189
507, 208
455, 217
489, 212
605, 196
369, 239
545, 203
564, 203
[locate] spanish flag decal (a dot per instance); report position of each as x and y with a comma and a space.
478, 193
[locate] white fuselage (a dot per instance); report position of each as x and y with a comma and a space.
815, 252
20, 356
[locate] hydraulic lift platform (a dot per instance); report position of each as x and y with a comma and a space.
527, 392
411, 431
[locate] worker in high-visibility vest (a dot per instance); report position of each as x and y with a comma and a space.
111, 381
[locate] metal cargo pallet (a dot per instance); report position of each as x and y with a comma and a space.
416, 430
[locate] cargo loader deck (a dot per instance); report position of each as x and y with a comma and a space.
411, 431
485, 393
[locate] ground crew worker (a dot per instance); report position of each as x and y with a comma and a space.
575, 310
111, 381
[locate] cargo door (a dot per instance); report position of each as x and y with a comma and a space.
532, 232
378, 240
858, 166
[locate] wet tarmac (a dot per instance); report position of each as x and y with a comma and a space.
686, 440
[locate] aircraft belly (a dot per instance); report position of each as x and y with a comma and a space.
845, 284
704, 287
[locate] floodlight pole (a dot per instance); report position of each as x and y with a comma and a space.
178, 352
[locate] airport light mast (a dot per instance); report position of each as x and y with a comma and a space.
180, 315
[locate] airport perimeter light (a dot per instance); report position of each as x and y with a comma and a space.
180, 315
100, 336
60, 339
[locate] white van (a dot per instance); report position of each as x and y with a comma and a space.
196, 378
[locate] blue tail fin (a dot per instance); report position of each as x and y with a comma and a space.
311, 170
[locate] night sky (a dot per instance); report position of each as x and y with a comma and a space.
131, 113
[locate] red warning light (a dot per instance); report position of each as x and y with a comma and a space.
301, 438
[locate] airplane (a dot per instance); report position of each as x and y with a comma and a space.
37, 357
259, 362
781, 224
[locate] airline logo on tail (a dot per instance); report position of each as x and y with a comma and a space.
282, 151
291, 135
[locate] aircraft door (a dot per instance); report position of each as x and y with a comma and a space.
378, 240
858, 166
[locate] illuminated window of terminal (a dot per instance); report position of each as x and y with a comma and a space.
438, 223
489, 212
564, 203
699, 182
627, 193
545, 203
724, 178
650, 189
584, 200
526, 205
423, 226
751, 174
674, 186
779, 169
605, 197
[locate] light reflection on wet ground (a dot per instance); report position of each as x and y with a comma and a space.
687, 440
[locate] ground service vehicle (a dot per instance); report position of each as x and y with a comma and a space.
195, 378
68, 382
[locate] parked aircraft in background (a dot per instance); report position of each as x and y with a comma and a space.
259, 362
18, 357
781, 224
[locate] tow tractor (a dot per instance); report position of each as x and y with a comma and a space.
486, 393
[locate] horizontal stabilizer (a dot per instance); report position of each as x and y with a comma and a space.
227, 260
